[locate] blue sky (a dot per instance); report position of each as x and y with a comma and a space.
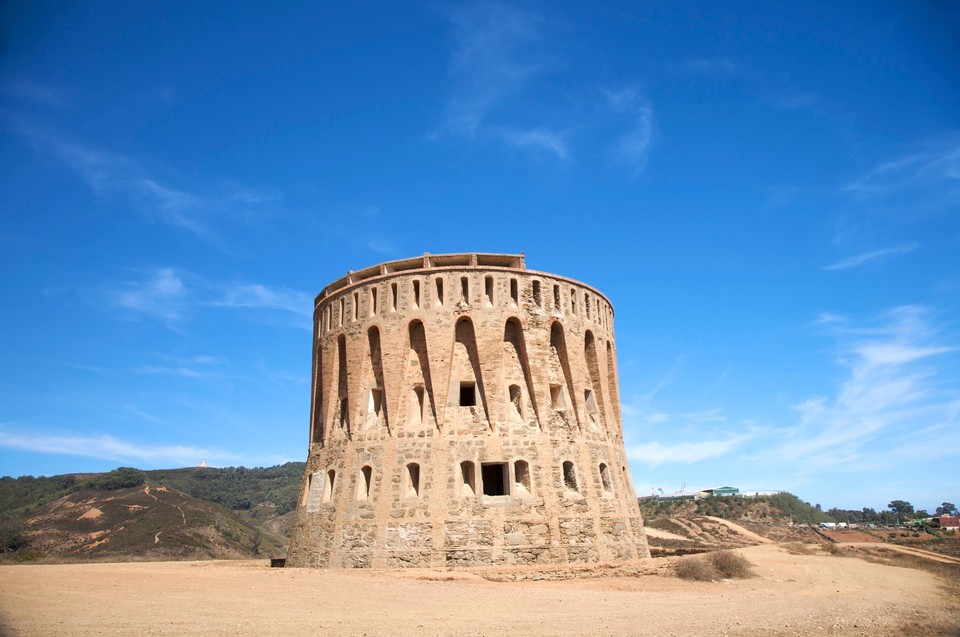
768, 196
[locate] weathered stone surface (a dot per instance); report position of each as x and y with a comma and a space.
465, 412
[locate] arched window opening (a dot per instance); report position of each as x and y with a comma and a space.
413, 480
521, 477
356, 306
328, 486
570, 477
340, 317
363, 483
468, 479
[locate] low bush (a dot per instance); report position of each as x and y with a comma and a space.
697, 569
730, 565
719, 565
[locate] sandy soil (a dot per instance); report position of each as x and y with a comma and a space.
790, 595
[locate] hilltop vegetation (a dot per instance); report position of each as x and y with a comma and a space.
781, 507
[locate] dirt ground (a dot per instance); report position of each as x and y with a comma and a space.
791, 594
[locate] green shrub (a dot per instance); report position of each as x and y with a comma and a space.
119, 478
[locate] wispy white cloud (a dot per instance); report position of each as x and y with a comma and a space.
890, 396
868, 257
655, 453
552, 142
934, 168
632, 146
115, 176
107, 447
495, 55
172, 296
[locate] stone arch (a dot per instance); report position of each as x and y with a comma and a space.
515, 367
593, 367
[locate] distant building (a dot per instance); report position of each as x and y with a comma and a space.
706, 493
947, 522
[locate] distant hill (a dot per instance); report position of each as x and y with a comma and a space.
143, 522
163, 514
778, 508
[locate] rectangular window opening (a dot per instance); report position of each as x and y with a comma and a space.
494, 477
356, 305
393, 297
556, 397
468, 394
439, 283
373, 301
375, 403
468, 475
514, 292
488, 289
465, 289
556, 298
537, 294
521, 476
416, 295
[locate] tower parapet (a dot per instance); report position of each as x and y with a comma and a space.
465, 412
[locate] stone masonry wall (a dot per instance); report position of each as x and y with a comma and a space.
465, 412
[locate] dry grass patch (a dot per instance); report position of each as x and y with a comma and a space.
719, 565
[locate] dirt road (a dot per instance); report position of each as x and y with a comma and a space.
791, 595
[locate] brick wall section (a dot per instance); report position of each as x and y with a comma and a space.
443, 416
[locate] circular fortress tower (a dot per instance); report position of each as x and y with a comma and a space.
465, 412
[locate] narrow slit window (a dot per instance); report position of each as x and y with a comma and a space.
393, 297
415, 417
328, 486
514, 292
340, 319
573, 302
439, 283
464, 289
516, 400
521, 476
363, 483
556, 298
586, 303
488, 289
570, 477
356, 306
494, 477
468, 478
537, 294
416, 295
413, 480
468, 394
373, 301
589, 401
605, 479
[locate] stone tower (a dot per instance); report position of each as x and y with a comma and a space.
465, 412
